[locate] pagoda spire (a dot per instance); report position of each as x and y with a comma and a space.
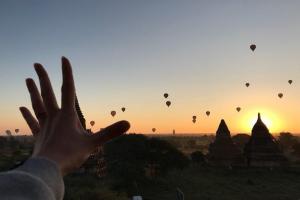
259, 120
259, 127
223, 131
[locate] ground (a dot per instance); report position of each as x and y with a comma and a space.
200, 183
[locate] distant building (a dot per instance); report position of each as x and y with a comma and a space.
262, 150
222, 151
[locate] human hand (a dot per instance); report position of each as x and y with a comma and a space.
58, 131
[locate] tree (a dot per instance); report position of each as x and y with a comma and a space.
130, 156
287, 140
240, 140
296, 149
198, 157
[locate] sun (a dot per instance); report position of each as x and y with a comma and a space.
267, 121
270, 119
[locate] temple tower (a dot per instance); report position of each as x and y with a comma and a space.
222, 151
262, 149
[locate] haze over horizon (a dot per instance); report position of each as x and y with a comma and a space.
128, 54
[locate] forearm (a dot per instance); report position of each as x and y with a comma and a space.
37, 178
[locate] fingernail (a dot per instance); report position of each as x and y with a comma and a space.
37, 67
21, 108
64, 59
125, 124
28, 80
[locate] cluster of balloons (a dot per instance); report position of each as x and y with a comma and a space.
113, 112
280, 95
247, 84
194, 118
238, 109
168, 103
9, 133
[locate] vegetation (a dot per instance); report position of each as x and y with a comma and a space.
202, 183
87, 187
133, 159
130, 158
198, 157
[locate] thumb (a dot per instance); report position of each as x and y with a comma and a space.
110, 132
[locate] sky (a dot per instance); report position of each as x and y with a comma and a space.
129, 53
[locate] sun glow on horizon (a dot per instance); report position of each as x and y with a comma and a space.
269, 118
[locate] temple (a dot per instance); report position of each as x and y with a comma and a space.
222, 151
262, 149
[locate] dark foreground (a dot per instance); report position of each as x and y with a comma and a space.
197, 180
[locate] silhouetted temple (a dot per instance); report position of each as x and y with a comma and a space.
262, 149
222, 151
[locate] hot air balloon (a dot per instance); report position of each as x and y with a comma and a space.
92, 123
280, 95
194, 117
166, 95
252, 47
8, 132
17, 130
123, 109
247, 84
290, 82
207, 113
238, 109
168, 103
153, 130
113, 113
194, 121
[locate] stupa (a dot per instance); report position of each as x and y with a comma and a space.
262, 150
222, 151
